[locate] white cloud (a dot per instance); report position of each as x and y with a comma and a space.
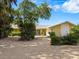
55, 7
71, 6
34, 1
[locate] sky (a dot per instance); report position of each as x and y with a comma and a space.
62, 10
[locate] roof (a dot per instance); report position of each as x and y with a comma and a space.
41, 26
62, 23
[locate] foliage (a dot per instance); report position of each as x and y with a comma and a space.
29, 31
6, 16
28, 14
69, 40
75, 31
54, 39
14, 32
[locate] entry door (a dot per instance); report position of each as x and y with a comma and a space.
64, 30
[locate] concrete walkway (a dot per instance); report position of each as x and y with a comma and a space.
36, 49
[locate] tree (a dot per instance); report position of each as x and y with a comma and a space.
6, 16
75, 31
29, 13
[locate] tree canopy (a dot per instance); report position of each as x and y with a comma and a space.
29, 14
6, 15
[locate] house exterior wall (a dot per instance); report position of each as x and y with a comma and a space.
70, 26
42, 32
65, 29
58, 29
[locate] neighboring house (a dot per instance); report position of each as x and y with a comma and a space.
61, 29
42, 31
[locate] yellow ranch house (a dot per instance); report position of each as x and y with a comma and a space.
61, 29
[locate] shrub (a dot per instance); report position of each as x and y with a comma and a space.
70, 39
75, 32
14, 32
28, 31
4, 31
54, 39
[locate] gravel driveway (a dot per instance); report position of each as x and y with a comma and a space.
36, 49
